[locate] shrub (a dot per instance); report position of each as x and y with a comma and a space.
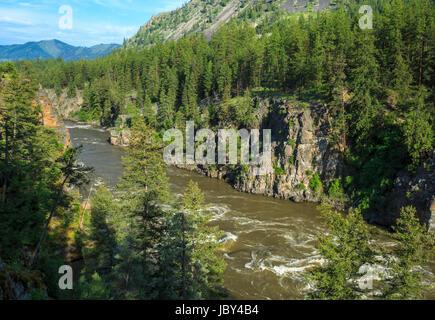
301, 186
315, 183
278, 170
336, 191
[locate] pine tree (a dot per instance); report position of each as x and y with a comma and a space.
144, 184
100, 239
345, 250
192, 266
418, 130
208, 79
413, 249
364, 85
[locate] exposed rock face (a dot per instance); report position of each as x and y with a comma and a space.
299, 149
411, 189
50, 117
120, 137
199, 16
63, 106
17, 285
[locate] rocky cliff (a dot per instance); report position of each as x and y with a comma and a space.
206, 16
300, 150
62, 106
20, 285
50, 116
415, 189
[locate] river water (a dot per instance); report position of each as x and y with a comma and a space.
270, 242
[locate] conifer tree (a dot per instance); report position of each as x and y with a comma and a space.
412, 250
193, 268
144, 184
364, 85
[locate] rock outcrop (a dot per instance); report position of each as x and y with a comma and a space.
19, 285
199, 16
415, 189
300, 149
50, 117
63, 106
120, 137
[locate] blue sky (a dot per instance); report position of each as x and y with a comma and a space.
93, 21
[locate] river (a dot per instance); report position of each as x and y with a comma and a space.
270, 242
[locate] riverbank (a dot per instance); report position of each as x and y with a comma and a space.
270, 243
305, 164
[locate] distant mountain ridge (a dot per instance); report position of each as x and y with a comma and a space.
205, 16
47, 49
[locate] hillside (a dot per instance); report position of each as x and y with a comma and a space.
53, 49
205, 16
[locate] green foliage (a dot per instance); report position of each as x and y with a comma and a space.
418, 132
301, 186
345, 250
413, 249
278, 170
93, 289
316, 183
135, 249
191, 258
29, 169
239, 112
376, 85
336, 190
350, 246
100, 234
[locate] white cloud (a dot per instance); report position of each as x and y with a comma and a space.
18, 16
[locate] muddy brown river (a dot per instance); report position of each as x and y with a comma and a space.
269, 243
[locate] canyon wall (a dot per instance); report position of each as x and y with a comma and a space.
300, 149
63, 106
51, 118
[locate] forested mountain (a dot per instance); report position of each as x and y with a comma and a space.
377, 84
53, 49
206, 16
376, 87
